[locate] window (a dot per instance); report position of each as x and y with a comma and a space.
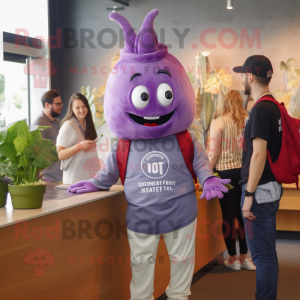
20, 100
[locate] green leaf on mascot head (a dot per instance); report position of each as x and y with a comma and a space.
43, 152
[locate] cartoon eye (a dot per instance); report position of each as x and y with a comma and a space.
35, 258
164, 94
45, 68
140, 96
36, 68
43, 258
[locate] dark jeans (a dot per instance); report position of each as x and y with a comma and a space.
261, 238
230, 206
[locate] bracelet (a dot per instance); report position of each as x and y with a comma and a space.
248, 194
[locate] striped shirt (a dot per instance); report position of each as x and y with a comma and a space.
231, 155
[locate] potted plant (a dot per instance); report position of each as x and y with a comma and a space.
23, 154
4, 181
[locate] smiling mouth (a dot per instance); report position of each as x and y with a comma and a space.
151, 121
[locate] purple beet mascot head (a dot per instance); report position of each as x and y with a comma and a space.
148, 93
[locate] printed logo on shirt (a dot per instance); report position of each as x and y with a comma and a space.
155, 164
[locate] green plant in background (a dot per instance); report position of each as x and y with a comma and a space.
18, 101
23, 153
94, 98
2, 88
212, 86
290, 96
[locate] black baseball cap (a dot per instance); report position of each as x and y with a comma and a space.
257, 65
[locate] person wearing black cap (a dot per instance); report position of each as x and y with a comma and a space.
261, 191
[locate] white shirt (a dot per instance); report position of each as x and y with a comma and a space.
84, 165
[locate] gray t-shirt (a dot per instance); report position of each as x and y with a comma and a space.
53, 172
158, 186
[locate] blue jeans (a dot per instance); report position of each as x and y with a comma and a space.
261, 240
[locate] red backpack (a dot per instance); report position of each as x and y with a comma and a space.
287, 168
185, 143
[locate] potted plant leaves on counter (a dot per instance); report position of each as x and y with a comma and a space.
23, 154
4, 181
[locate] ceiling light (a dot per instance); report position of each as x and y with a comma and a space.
229, 4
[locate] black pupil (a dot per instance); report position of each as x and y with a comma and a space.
168, 95
144, 96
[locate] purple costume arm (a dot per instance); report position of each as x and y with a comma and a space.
104, 179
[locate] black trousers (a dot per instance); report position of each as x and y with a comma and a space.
230, 206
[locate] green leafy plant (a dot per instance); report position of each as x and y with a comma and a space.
96, 106
23, 153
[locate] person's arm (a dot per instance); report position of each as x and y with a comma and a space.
104, 179
261, 121
68, 143
65, 153
216, 128
257, 165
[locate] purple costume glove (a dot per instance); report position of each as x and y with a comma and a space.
82, 187
213, 187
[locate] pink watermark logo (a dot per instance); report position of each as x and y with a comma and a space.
40, 68
39, 258
94, 165
227, 38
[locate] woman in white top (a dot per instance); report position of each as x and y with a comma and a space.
75, 142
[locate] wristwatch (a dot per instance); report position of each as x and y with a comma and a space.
248, 194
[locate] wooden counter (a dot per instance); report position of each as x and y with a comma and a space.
77, 248
288, 216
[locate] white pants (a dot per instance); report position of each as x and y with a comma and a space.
181, 248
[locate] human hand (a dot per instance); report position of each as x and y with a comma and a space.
87, 145
248, 202
82, 187
213, 187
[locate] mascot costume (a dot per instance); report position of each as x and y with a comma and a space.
149, 105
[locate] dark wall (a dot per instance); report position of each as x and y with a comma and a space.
276, 21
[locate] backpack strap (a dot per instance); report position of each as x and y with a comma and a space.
187, 149
271, 99
122, 157
268, 98
73, 124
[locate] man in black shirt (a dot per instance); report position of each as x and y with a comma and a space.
261, 191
